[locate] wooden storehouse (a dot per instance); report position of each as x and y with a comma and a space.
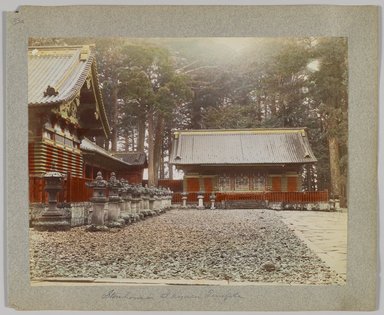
137, 161
256, 164
68, 124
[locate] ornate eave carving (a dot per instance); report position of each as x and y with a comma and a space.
68, 111
51, 91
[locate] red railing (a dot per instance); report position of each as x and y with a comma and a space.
176, 198
191, 197
74, 189
175, 185
271, 196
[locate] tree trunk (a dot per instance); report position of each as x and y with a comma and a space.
334, 165
161, 165
151, 151
114, 118
170, 166
158, 145
141, 134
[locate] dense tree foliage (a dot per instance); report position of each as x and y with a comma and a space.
152, 86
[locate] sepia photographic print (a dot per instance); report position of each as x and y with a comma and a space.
184, 170
243, 142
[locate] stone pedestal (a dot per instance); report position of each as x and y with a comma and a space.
133, 205
139, 207
114, 199
156, 204
124, 204
169, 198
184, 198
128, 203
113, 210
337, 204
125, 208
136, 207
200, 198
184, 202
331, 204
98, 200
162, 203
98, 213
212, 198
151, 201
144, 208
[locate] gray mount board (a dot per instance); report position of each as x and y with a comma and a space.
358, 23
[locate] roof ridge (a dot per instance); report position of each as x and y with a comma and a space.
53, 47
239, 131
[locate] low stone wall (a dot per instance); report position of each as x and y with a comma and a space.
316, 206
35, 211
79, 212
250, 204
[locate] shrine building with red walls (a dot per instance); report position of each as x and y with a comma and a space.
244, 163
68, 126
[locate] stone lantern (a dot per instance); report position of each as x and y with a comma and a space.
184, 197
140, 203
99, 186
151, 200
135, 202
163, 198
123, 195
130, 209
53, 218
124, 209
157, 203
114, 199
212, 198
170, 195
145, 196
200, 198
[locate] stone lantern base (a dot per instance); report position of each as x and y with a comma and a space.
52, 222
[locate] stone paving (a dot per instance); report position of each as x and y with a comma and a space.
325, 233
189, 245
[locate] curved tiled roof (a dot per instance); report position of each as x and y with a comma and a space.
134, 158
88, 145
243, 146
64, 69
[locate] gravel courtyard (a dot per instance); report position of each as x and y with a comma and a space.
231, 245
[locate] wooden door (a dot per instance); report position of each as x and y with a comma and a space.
193, 185
208, 185
276, 183
291, 183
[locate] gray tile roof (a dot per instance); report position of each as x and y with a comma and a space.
134, 158
243, 146
64, 68
88, 145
